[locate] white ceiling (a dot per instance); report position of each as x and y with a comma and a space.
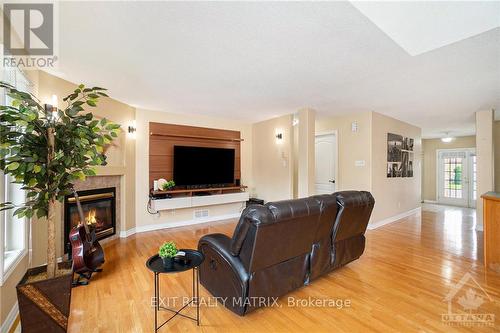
253, 61
421, 26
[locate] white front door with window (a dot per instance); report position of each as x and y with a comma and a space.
326, 163
456, 177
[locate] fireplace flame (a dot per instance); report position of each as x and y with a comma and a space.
90, 218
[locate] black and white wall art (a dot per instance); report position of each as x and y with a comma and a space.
399, 156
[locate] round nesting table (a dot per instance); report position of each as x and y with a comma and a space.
193, 260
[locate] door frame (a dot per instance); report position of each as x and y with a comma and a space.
335, 153
468, 151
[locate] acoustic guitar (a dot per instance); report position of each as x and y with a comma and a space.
86, 251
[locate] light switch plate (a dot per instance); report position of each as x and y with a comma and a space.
359, 163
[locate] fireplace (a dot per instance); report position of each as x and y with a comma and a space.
99, 210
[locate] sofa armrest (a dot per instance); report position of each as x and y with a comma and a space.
222, 273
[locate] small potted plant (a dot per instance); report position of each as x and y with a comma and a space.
167, 253
168, 185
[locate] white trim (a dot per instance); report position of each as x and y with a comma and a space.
479, 227
375, 225
435, 202
167, 225
11, 318
126, 233
12, 267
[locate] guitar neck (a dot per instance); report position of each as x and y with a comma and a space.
80, 212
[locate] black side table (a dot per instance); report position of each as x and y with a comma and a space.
193, 261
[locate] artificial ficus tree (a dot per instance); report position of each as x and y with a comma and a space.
46, 149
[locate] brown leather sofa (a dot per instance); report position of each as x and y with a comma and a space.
281, 246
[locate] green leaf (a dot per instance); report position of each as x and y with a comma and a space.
90, 172
91, 103
19, 212
112, 126
37, 168
13, 166
41, 212
21, 123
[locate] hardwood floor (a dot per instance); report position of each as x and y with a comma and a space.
398, 285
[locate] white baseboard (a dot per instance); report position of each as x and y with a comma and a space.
167, 225
431, 201
126, 233
394, 218
11, 318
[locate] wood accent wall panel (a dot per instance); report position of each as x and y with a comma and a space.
163, 138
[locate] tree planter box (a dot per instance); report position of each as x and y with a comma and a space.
44, 305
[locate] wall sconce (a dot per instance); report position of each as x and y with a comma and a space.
279, 136
132, 129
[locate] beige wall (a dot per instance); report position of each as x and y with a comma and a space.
393, 196
496, 146
353, 146
429, 147
143, 118
272, 161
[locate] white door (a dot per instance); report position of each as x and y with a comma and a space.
326, 163
456, 177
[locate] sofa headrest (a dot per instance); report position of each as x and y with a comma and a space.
355, 198
252, 214
288, 209
355, 208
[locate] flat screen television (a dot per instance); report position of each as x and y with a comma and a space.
203, 166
